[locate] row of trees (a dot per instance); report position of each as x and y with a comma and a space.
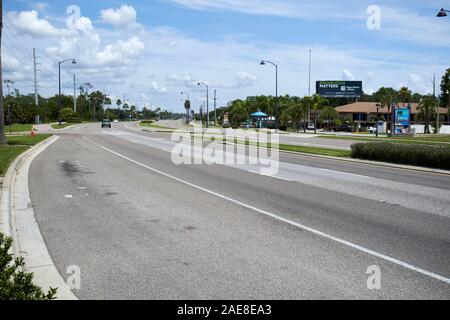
89, 106
295, 111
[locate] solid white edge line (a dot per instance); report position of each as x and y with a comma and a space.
290, 222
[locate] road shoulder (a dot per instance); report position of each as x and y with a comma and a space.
17, 220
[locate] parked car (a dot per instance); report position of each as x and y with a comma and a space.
310, 126
116, 121
344, 128
106, 123
372, 129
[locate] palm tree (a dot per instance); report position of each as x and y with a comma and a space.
387, 96
306, 104
318, 104
427, 110
2, 117
404, 94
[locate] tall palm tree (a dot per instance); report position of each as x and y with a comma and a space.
387, 97
318, 104
2, 113
427, 110
404, 95
306, 105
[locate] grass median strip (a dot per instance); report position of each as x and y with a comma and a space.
61, 126
289, 147
17, 145
433, 140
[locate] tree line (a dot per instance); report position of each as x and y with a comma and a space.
294, 112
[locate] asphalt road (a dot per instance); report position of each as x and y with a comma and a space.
140, 227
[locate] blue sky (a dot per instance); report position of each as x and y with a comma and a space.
152, 50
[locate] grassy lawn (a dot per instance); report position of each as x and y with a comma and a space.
316, 150
27, 140
431, 140
151, 125
18, 128
7, 155
292, 148
17, 145
61, 126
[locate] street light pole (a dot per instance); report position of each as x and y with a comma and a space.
207, 102
215, 105
264, 62
376, 120
59, 86
186, 109
442, 13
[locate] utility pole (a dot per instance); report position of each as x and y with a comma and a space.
2, 118
215, 105
309, 81
309, 85
36, 96
74, 94
437, 100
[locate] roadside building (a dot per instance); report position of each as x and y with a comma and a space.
365, 113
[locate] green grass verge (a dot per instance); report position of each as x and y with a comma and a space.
17, 145
7, 155
27, 140
316, 150
293, 148
18, 128
151, 125
61, 126
437, 140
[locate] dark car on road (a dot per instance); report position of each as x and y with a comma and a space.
343, 128
106, 123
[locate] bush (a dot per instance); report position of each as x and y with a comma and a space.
69, 116
15, 284
147, 121
419, 155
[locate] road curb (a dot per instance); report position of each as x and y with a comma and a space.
359, 161
17, 220
373, 163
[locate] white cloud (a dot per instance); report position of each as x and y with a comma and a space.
347, 75
121, 52
245, 79
125, 16
28, 23
157, 88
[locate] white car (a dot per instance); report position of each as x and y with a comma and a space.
372, 129
116, 121
311, 126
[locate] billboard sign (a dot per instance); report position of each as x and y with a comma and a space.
402, 120
402, 117
339, 89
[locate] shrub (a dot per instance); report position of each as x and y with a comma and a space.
15, 284
69, 116
419, 155
147, 121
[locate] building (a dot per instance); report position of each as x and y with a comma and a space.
366, 112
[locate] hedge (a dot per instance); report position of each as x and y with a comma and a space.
411, 154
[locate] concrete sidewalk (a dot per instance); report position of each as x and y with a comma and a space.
17, 220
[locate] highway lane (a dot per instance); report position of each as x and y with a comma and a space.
391, 174
136, 233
